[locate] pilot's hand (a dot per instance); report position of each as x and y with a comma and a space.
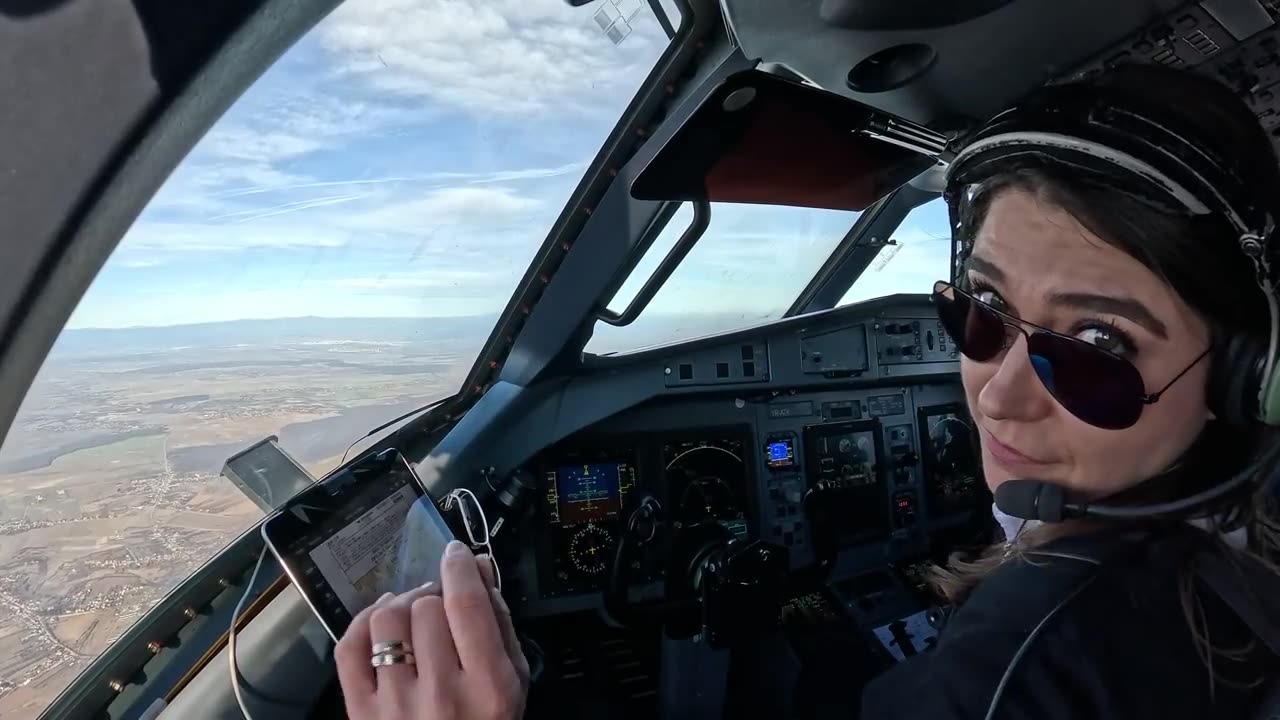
467, 663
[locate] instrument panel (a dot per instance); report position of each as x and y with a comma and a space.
584, 493
591, 485
871, 471
846, 428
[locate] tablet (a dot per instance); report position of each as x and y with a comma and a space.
364, 531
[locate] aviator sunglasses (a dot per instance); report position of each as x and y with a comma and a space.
1093, 384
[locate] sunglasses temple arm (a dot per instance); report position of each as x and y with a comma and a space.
1156, 395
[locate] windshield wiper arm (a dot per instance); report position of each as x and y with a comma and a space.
658, 11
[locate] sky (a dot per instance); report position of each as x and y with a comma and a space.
406, 159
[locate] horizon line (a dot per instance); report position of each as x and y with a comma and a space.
69, 328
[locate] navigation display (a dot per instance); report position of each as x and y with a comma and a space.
588, 492
366, 531
952, 470
844, 464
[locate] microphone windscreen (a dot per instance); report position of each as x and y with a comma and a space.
1031, 500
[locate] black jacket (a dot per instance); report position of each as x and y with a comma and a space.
1118, 646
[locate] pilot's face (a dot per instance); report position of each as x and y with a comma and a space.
1034, 261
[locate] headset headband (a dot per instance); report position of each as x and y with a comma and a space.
1097, 131
1021, 142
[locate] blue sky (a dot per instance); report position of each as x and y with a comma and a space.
407, 158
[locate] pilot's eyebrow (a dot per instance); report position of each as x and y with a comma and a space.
1124, 307
986, 267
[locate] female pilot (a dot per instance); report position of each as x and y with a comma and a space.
1113, 306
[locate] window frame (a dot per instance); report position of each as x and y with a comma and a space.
689, 237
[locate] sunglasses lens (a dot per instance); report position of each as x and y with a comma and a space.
1097, 387
976, 329
1090, 383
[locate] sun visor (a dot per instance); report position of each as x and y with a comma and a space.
759, 138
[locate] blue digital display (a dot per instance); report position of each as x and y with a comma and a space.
781, 453
588, 491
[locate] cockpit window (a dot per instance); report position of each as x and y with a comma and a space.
921, 254
746, 269
331, 255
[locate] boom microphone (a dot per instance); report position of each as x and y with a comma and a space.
1034, 500
1046, 502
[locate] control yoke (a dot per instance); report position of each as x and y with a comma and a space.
719, 587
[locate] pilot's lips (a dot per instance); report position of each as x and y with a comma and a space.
1009, 456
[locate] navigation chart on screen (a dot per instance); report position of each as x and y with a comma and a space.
362, 560
588, 491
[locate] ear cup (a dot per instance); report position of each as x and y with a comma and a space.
1235, 379
1270, 411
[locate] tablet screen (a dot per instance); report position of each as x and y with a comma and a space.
363, 532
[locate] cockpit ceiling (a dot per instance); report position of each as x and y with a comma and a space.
947, 64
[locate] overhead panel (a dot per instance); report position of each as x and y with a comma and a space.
974, 58
948, 65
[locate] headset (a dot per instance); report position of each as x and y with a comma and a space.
1103, 133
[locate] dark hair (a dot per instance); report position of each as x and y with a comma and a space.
1197, 256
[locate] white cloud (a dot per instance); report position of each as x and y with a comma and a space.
429, 280
500, 176
469, 224
467, 202
476, 207
524, 174
259, 213
238, 303
406, 158
376, 69
503, 57
151, 237
272, 125
278, 122
243, 143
